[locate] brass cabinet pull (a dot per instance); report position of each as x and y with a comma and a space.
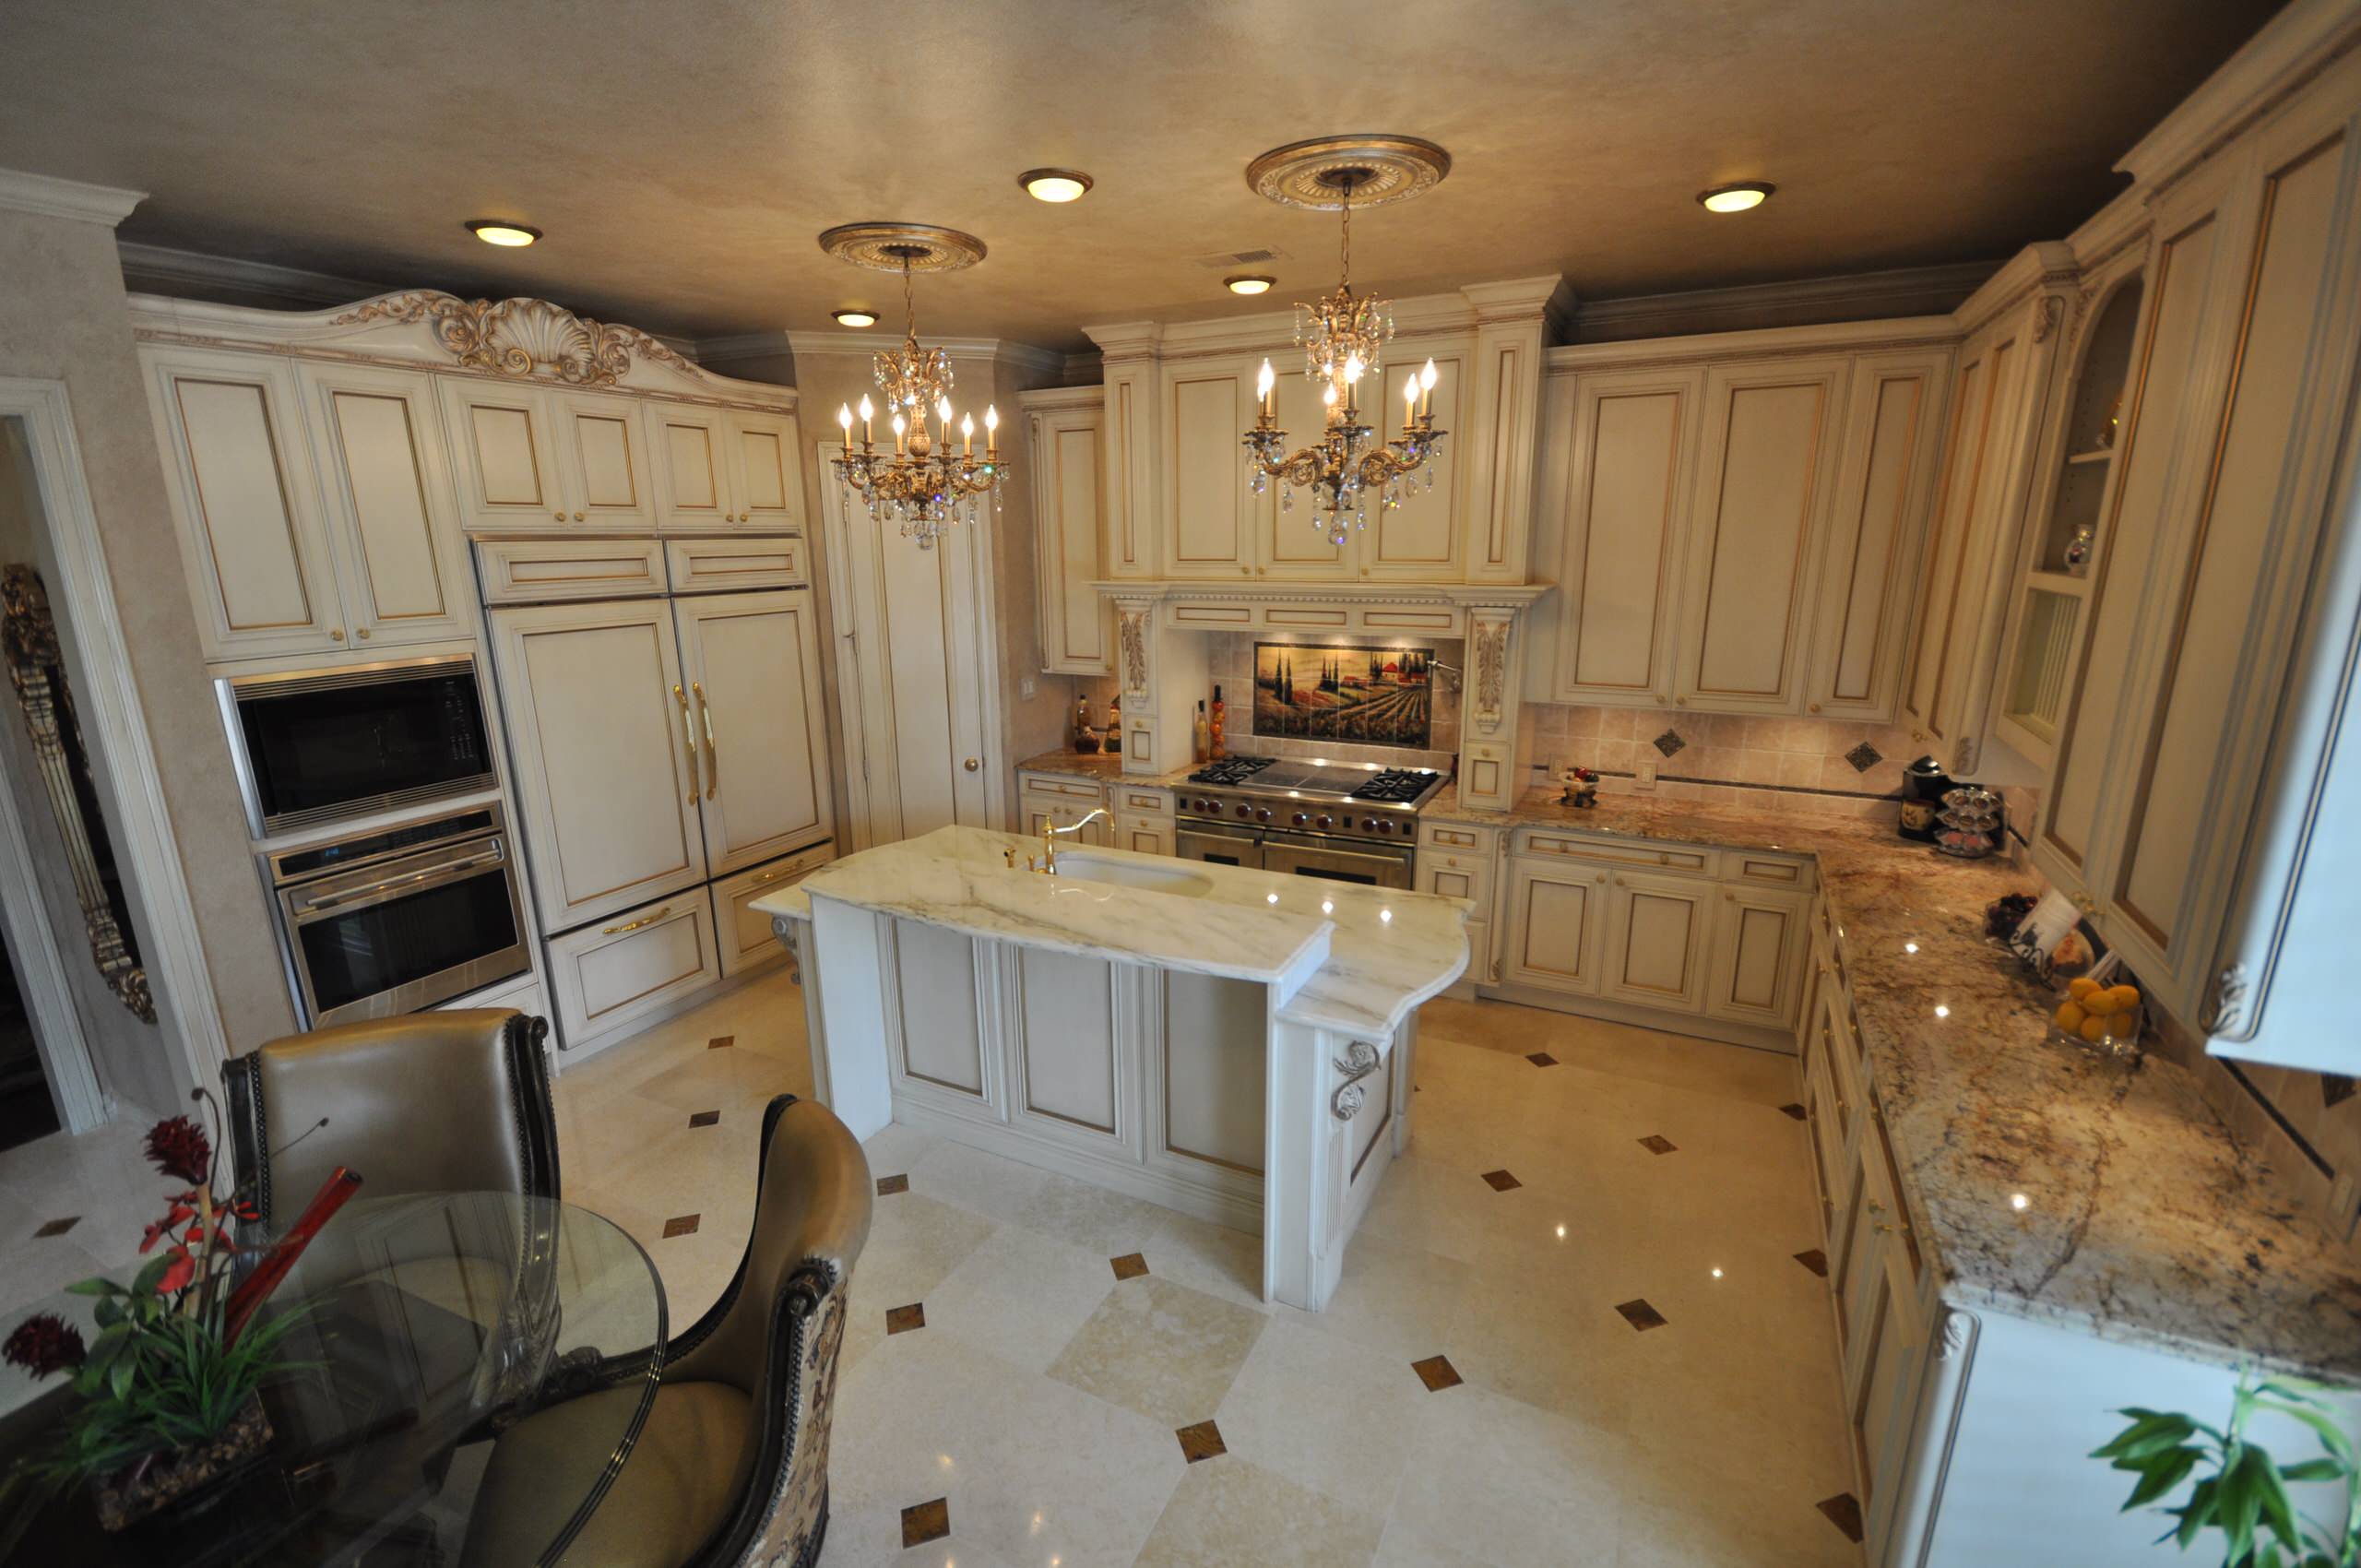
688, 738
560, 516
634, 925
334, 635
363, 633
974, 763
577, 517
712, 756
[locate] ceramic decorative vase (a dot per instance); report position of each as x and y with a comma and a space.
132, 1493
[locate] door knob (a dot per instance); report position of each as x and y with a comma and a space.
973, 764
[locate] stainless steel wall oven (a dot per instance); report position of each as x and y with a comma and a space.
323, 746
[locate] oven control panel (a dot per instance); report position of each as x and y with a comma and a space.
1355, 819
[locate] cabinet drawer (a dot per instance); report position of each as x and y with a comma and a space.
1212, 616
1451, 836
1132, 802
521, 994
1407, 621
1457, 876
1776, 871
721, 566
608, 976
745, 932
540, 571
1318, 620
1142, 835
1623, 854
1063, 786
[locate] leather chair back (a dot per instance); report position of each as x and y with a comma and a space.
455, 1102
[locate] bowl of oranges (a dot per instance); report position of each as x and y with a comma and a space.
2105, 1017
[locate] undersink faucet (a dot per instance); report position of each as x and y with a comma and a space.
1048, 862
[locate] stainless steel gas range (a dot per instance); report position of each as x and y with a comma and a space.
1343, 822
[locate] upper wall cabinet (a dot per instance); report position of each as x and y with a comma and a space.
1766, 469
1209, 515
724, 469
538, 459
253, 535
1077, 626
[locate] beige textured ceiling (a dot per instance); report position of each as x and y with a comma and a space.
682, 156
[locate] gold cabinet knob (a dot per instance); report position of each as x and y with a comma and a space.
1814, 707
334, 635
577, 517
1246, 571
363, 633
559, 514
973, 764
1681, 702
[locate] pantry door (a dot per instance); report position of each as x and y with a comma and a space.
915, 672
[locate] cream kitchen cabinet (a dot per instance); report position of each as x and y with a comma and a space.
724, 469
1062, 425
254, 535
1143, 821
1557, 915
608, 980
1766, 473
1462, 861
534, 459
1659, 930
753, 663
1062, 800
1759, 948
1209, 516
748, 941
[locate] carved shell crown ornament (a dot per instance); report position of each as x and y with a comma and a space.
527, 339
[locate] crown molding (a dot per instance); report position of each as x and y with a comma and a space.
866, 341
2050, 262
1551, 299
1075, 396
54, 198
1809, 302
1464, 596
2101, 235
1125, 339
160, 270
1843, 337
2292, 47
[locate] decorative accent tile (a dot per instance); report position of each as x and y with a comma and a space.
58, 1226
1501, 1182
721, 1042
681, 1225
706, 1119
1844, 1511
2335, 1088
1640, 1315
1437, 1373
1668, 742
1201, 1441
923, 1522
1814, 1260
1657, 1143
888, 1185
1131, 1266
1791, 1112
901, 1320
1542, 1058
1864, 757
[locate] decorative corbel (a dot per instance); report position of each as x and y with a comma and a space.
1357, 1062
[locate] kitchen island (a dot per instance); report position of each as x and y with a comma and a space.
1235, 1044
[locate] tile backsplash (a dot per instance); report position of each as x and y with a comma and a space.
1231, 655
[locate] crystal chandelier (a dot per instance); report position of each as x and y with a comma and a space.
922, 484
1344, 337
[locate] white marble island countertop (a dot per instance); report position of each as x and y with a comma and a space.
1344, 958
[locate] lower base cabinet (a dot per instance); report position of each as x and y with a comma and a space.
747, 942
608, 976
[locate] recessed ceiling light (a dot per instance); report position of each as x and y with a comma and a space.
1054, 184
1740, 198
1248, 283
500, 231
855, 317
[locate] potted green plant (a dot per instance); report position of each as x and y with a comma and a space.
2236, 1486
168, 1393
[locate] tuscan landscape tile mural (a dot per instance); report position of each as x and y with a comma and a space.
1371, 696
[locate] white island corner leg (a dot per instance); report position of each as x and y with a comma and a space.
1335, 1124
845, 1018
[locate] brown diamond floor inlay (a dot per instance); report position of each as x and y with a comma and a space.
1793, 1112
923, 1522
888, 1185
705, 1119
1131, 1266
1201, 1441
1437, 1373
720, 1042
1657, 1143
1844, 1511
1640, 1315
1502, 1180
1814, 1260
58, 1226
901, 1320
681, 1225
1542, 1058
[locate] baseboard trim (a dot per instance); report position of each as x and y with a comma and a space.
1697, 1026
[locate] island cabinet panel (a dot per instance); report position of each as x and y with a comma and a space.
1212, 1086
1556, 917
753, 664
1867, 564
386, 483
1626, 504
1207, 512
934, 1016
607, 764
1066, 1062
1658, 930
1765, 474
253, 537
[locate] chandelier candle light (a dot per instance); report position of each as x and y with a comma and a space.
923, 485
1344, 337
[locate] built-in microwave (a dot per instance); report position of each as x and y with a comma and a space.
321, 745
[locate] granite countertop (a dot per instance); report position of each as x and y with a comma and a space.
2146, 1220
1099, 766
1352, 959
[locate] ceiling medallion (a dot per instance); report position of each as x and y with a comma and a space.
1344, 335
921, 485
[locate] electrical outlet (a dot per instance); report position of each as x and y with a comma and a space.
1643, 773
1024, 689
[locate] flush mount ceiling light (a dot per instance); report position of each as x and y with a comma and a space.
1743, 196
855, 317
1248, 283
501, 232
1054, 184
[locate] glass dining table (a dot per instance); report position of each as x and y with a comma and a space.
427, 1325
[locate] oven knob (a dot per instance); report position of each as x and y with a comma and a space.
1245, 810
1369, 825
1263, 814
1301, 819
1385, 824
1322, 822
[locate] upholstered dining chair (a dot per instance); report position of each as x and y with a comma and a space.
731, 1469
429, 1102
